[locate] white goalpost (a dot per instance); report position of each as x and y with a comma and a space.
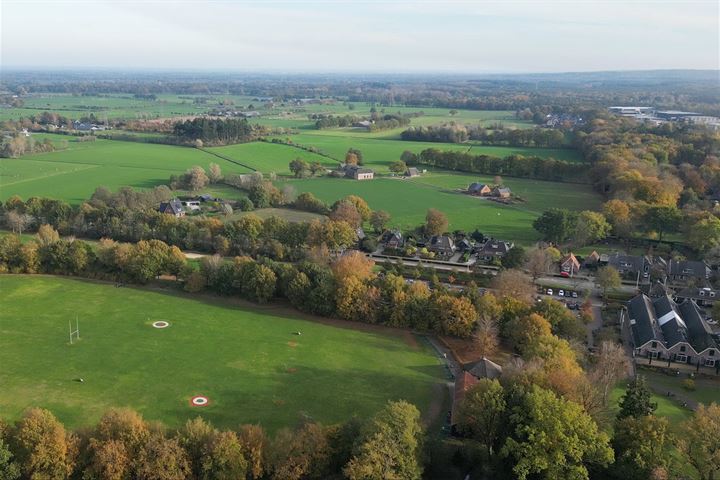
74, 333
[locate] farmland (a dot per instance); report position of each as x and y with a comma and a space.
246, 359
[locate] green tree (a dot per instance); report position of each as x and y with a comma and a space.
608, 278
300, 168
637, 400
482, 413
556, 224
704, 234
258, 282
398, 166
699, 441
591, 227
389, 447
515, 257
551, 438
223, 458
662, 219
9, 470
639, 445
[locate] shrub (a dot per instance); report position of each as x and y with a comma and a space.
689, 384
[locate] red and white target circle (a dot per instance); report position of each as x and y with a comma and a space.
161, 324
199, 401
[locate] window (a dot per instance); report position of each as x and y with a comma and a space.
653, 345
680, 358
711, 353
682, 348
709, 362
653, 354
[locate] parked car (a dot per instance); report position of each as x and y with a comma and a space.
549, 291
561, 293
564, 274
574, 294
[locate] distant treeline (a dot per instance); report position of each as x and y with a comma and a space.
496, 135
217, 131
513, 165
377, 121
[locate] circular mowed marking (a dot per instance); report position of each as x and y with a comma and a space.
199, 401
292, 344
161, 324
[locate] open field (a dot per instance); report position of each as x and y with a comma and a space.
378, 153
246, 359
74, 173
285, 213
269, 157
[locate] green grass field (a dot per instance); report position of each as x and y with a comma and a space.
246, 359
270, 157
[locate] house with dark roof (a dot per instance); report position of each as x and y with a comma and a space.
569, 264
591, 260
493, 249
501, 192
393, 239
358, 173
441, 244
464, 245
682, 271
704, 297
471, 373
173, 207
479, 189
412, 172
636, 267
662, 329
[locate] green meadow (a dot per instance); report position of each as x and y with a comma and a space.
246, 359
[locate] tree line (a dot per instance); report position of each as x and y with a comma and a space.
213, 131
494, 135
123, 445
512, 165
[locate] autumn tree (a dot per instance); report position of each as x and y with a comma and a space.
538, 263
591, 227
389, 446
610, 365
524, 332
513, 283
704, 234
699, 441
351, 158
618, 213
301, 453
253, 442
196, 178
352, 264
556, 224
482, 413
379, 220
456, 315
44, 449
436, 223
214, 173
223, 458
334, 234
46, 235
162, 458
360, 205
345, 211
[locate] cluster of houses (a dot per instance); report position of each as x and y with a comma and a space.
484, 190
179, 208
642, 269
358, 172
488, 251
87, 127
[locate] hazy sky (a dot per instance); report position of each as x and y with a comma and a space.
370, 36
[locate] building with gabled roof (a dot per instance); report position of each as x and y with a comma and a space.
173, 207
470, 375
663, 329
570, 264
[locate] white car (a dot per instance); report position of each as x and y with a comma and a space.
549, 291
561, 293
712, 322
574, 294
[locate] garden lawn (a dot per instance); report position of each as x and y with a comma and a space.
247, 360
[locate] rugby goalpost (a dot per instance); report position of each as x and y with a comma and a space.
74, 333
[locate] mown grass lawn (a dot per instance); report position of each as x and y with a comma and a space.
247, 360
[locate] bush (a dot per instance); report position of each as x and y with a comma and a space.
245, 205
689, 384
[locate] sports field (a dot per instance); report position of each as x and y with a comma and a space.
247, 360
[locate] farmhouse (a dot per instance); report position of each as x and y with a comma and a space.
592, 260
173, 207
358, 173
479, 189
501, 192
570, 265
441, 244
663, 329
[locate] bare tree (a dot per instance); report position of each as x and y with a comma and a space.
18, 221
538, 263
486, 336
610, 366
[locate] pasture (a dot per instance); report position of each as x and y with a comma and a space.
246, 359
